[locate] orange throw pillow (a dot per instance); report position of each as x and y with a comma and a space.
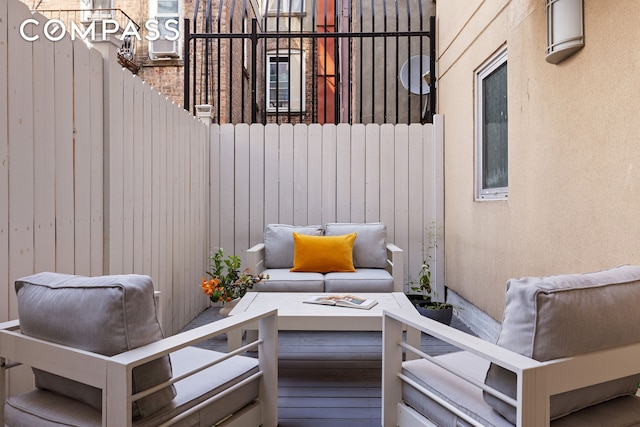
323, 254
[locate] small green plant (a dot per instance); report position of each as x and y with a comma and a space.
423, 284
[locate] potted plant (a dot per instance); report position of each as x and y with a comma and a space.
440, 311
226, 283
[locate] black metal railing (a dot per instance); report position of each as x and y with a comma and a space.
336, 62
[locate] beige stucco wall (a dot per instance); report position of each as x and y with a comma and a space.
574, 146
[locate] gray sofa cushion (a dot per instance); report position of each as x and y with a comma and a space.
278, 243
43, 408
619, 412
370, 247
552, 317
449, 387
362, 280
283, 280
106, 315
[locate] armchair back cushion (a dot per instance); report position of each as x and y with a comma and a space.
553, 317
106, 315
278, 243
370, 247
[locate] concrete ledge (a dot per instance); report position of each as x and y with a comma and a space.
483, 325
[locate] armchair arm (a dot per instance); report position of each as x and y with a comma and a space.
113, 374
255, 259
537, 381
395, 266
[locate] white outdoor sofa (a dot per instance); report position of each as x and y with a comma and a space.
568, 354
98, 359
378, 263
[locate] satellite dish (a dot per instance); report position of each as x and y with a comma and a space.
419, 83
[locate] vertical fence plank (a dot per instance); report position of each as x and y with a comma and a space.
285, 177
242, 179
81, 152
128, 171
372, 173
401, 193
147, 183
96, 97
301, 194
271, 212
227, 187
435, 135
44, 152
343, 173
387, 179
167, 291
113, 176
156, 132
256, 189
357, 201
137, 184
65, 206
179, 201
315, 178
329, 178
214, 183
20, 151
163, 238
416, 225
5, 288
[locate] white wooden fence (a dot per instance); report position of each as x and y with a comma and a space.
100, 174
314, 174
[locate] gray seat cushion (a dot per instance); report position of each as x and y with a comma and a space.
362, 280
283, 280
370, 247
278, 243
619, 412
44, 408
105, 315
559, 316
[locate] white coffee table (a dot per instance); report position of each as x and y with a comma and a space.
294, 315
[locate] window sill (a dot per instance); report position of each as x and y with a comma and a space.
168, 62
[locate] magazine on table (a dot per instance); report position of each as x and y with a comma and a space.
343, 301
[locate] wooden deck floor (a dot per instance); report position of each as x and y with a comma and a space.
328, 379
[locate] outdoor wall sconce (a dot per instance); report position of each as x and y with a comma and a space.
565, 29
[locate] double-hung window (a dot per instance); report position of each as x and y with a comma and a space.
285, 80
167, 15
492, 160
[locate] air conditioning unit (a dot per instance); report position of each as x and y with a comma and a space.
162, 48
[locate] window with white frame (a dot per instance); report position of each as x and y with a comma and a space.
285, 80
96, 9
283, 6
492, 143
166, 13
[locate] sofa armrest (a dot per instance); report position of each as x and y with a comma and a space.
395, 266
537, 381
255, 259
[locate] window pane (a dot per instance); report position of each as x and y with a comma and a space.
167, 6
102, 4
279, 82
495, 121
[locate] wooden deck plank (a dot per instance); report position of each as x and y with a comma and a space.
328, 378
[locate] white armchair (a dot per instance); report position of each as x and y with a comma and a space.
567, 355
157, 382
